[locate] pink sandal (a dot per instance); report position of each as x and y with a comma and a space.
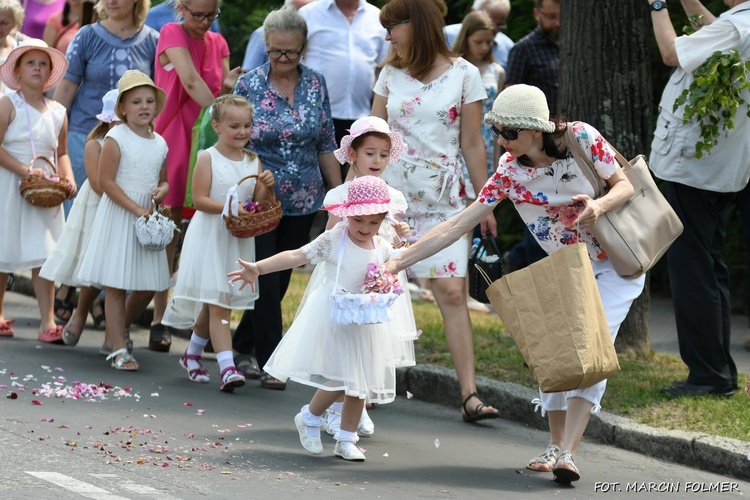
52, 335
196, 374
231, 379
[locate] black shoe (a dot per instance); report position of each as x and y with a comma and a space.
683, 389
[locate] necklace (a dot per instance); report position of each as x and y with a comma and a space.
286, 91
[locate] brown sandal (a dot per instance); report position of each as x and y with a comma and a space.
477, 413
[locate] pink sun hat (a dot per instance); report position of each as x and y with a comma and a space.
371, 124
366, 195
8, 68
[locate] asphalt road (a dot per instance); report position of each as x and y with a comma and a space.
155, 434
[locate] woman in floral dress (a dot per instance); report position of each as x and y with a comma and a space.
435, 101
294, 137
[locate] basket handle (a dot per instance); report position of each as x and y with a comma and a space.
46, 160
230, 207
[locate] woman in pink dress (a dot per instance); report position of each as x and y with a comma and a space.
192, 66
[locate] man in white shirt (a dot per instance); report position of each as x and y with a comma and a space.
255, 53
345, 42
498, 10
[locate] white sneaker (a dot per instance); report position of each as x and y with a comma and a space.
311, 444
366, 426
348, 451
332, 422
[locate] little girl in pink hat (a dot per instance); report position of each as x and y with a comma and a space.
354, 360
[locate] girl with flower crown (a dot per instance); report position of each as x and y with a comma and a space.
354, 360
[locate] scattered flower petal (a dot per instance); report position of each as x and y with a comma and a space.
419, 333
385, 454
437, 443
13, 395
154, 394
36, 402
409, 395
200, 410
187, 403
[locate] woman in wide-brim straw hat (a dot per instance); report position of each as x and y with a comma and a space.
554, 198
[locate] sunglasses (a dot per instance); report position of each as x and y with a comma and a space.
509, 134
389, 27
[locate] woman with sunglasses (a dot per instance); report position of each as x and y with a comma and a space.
434, 100
293, 134
192, 66
554, 198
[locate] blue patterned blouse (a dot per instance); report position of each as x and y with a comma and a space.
289, 137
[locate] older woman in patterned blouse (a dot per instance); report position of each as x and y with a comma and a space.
294, 137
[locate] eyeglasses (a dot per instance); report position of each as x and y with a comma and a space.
509, 134
292, 55
389, 27
200, 16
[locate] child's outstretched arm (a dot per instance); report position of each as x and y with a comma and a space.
279, 262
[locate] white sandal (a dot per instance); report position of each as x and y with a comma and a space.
125, 357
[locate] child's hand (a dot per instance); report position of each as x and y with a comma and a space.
266, 178
72, 188
402, 230
248, 274
159, 194
140, 212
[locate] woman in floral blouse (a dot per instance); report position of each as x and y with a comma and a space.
554, 198
435, 101
294, 137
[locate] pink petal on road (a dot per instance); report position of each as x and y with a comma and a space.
409, 395
187, 403
36, 402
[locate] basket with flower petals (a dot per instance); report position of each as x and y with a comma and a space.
379, 291
260, 217
42, 186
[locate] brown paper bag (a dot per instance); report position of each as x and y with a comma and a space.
553, 311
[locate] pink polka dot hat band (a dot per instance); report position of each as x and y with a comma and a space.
366, 195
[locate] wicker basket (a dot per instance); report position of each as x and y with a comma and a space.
43, 190
254, 223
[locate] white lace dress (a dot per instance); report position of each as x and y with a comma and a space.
28, 234
316, 351
403, 326
210, 251
114, 257
65, 260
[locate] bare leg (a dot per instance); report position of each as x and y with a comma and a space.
321, 400
45, 299
556, 426
221, 337
135, 304
115, 332
162, 298
450, 295
3, 284
351, 413
579, 413
77, 321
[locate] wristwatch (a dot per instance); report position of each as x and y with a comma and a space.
658, 5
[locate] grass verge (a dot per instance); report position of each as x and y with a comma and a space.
633, 392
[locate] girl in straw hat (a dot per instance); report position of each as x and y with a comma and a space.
354, 360
132, 175
370, 147
554, 198
63, 264
31, 126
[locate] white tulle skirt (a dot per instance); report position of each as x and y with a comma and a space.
65, 260
114, 257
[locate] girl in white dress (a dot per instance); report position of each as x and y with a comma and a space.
132, 173
202, 298
31, 125
65, 260
353, 360
369, 147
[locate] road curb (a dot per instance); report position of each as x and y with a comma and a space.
437, 384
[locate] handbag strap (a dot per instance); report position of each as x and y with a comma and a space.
342, 246
584, 160
483, 244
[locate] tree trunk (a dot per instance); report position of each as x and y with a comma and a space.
605, 81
